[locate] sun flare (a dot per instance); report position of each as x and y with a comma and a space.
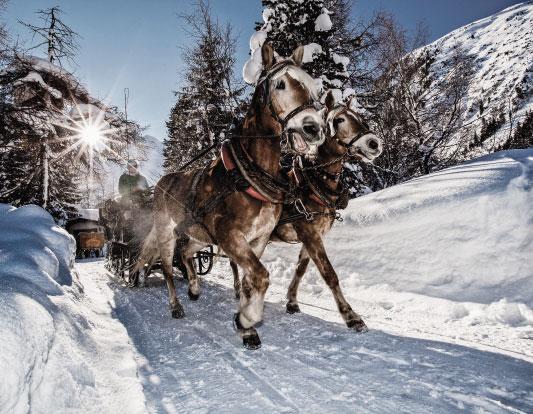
91, 134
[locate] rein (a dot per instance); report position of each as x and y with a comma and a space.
243, 174
324, 196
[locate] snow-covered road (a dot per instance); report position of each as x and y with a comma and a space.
306, 364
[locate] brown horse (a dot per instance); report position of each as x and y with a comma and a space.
237, 201
348, 138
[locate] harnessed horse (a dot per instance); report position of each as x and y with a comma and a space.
236, 202
349, 138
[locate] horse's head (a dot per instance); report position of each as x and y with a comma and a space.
287, 98
349, 134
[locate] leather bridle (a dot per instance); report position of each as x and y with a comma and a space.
365, 130
264, 84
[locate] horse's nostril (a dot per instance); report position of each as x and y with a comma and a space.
372, 144
311, 129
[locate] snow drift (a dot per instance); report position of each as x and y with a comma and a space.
448, 252
462, 233
54, 347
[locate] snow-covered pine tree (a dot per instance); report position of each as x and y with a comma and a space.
323, 27
180, 132
209, 103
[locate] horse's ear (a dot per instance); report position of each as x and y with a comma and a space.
349, 103
267, 54
330, 101
298, 55
330, 105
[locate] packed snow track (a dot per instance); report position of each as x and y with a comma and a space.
306, 364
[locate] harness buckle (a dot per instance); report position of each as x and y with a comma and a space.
300, 208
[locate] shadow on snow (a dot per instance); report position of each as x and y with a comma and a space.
306, 364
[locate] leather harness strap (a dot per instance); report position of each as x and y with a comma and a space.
231, 163
242, 172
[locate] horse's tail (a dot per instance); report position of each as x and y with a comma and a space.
149, 251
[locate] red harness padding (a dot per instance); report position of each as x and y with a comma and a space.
229, 164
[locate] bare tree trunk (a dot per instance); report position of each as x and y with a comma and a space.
45, 157
45, 152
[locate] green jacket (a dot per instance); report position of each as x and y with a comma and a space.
128, 184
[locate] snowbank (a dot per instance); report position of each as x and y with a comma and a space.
449, 252
53, 356
463, 233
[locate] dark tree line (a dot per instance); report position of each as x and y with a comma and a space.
210, 102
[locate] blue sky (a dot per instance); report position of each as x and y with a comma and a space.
136, 44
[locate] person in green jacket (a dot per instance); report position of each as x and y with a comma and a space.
131, 183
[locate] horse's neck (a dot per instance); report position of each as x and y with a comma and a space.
326, 156
265, 149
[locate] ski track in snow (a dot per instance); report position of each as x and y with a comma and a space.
306, 364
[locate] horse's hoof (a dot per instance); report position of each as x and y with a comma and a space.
237, 323
251, 341
357, 325
293, 308
250, 337
193, 296
178, 312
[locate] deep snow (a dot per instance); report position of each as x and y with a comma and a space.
60, 349
439, 267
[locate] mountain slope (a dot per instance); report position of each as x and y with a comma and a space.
501, 47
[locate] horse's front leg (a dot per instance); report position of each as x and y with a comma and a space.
187, 253
236, 279
303, 261
312, 241
254, 284
258, 246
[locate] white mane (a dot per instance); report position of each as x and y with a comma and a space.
298, 74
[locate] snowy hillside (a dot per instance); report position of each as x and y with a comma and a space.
501, 46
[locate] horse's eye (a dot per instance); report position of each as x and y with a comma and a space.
338, 121
280, 85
